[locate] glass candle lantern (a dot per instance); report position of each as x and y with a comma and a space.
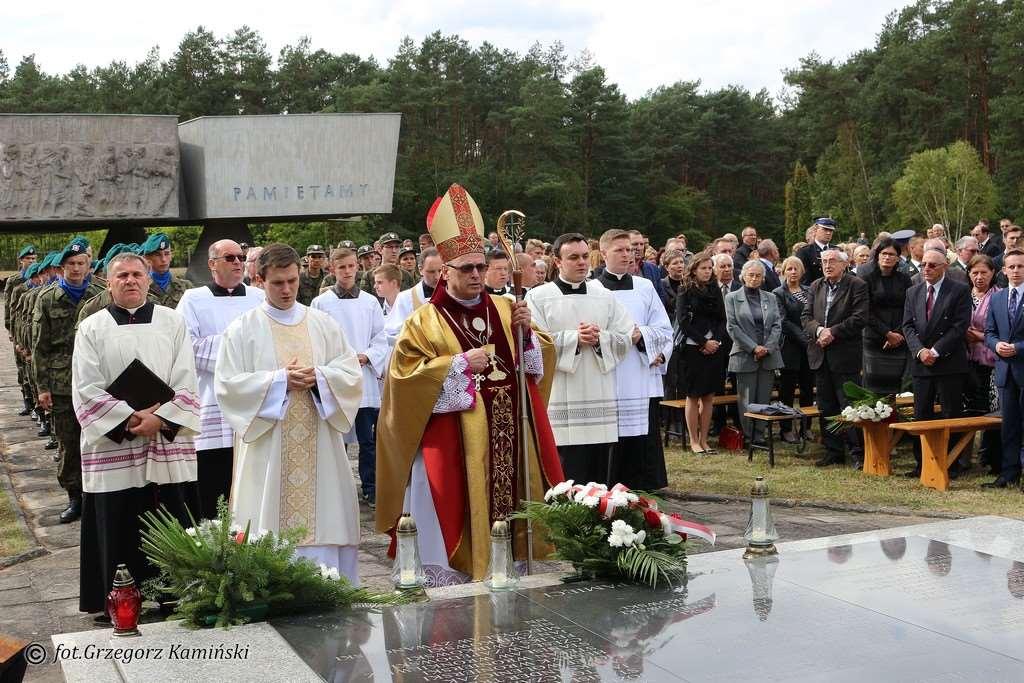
502, 575
760, 533
762, 576
407, 572
124, 603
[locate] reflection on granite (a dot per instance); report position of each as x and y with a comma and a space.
908, 609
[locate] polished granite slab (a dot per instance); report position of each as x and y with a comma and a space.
935, 602
907, 608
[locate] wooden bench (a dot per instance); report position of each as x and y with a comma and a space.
935, 454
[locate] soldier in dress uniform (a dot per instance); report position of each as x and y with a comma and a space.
54, 318
165, 287
312, 278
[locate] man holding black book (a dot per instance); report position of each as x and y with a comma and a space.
134, 394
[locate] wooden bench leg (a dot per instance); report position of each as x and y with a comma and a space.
877, 449
935, 459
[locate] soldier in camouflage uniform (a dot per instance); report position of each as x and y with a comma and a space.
54, 320
166, 288
389, 244
22, 316
311, 279
26, 257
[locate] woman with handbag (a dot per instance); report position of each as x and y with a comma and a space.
755, 325
699, 335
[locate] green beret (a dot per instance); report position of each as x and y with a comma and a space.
95, 264
76, 247
114, 250
158, 241
27, 250
132, 247
32, 270
51, 260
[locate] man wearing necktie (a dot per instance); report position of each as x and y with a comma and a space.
936, 315
834, 317
1004, 335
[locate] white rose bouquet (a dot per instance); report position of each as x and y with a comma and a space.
865, 406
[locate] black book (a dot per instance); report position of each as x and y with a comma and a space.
139, 387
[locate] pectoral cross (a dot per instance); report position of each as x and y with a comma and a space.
477, 380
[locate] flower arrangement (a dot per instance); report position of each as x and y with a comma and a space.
223, 574
614, 533
866, 406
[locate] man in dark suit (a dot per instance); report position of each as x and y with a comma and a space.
768, 254
988, 244
1011, 240
811, 254
1004, 335
748, 247
834, 318
727, 281
936, 316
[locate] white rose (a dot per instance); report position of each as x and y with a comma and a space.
191, 531
590, 501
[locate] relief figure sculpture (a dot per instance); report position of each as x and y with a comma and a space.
85, 180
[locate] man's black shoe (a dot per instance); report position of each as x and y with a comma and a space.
27, 409
44, 430
73, 511
1001, 483
51, 444
857, 464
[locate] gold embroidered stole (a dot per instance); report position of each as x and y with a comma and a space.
298, 435
416, 301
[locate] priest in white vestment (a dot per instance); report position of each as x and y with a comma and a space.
411, 299
593, 334
361, 319
638, 457
208, 311
132, 460
290, 386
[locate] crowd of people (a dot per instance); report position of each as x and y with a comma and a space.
411, 350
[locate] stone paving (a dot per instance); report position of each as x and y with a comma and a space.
39, 594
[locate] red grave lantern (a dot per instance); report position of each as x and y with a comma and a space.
124, 603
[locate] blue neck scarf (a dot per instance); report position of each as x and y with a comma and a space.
161, 279
74, 292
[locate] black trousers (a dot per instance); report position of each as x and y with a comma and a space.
789, 380
587, 463
831, 401
112, 535
213, 470
949, 391
1011, 402
639, 461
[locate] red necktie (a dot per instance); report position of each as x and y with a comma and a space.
929, 302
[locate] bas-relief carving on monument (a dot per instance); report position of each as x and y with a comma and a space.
69, 181
81, 166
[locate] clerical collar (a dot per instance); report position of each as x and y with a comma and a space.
615, 282
220, 291
495, 291
571, 287
428, 291
346, 293
292, 316
142, 315
468, 303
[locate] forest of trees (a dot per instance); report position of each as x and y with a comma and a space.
549, 134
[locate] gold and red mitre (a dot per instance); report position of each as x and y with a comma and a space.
455, 223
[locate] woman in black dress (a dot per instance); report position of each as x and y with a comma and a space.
796, 371
699, 334
885, 349
674, 263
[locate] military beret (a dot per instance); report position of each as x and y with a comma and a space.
158, 241
114, 250
364, 250
27, 250
132, 247
32, 270
76, 247
51, 260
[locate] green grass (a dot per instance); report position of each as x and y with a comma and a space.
12, 537
796, 478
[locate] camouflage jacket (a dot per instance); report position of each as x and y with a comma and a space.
175, 288
367, 281
309, 286
17, 302
12, 282
101, 301
54, 319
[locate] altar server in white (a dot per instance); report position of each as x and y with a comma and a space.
593, 334
410, 299
638, 457
290, 386
207, 312
132, 460
360, 317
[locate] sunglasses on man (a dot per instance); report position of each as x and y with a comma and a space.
468, 268
230, 258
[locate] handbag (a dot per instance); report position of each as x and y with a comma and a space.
730, 438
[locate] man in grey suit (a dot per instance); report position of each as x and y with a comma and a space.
1004, 335
936, 316
755, 325
834, 318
